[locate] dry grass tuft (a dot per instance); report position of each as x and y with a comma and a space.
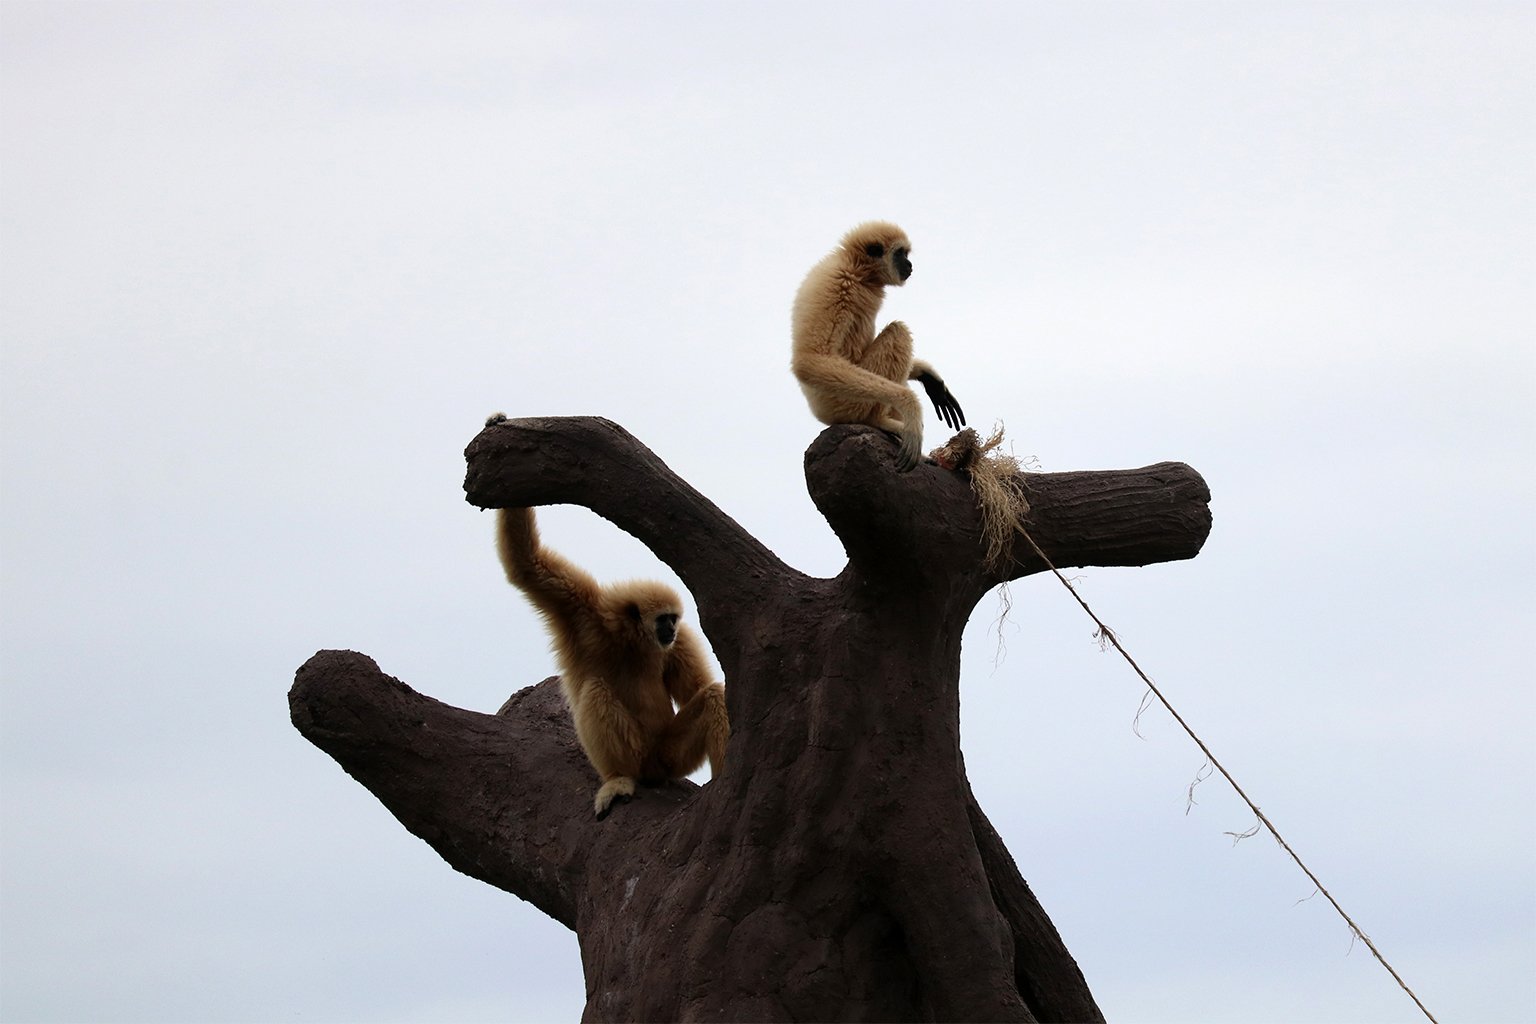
995, 481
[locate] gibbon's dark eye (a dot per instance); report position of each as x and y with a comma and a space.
874, 250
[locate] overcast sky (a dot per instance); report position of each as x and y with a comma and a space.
267, 267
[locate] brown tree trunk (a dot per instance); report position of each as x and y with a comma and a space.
838, 867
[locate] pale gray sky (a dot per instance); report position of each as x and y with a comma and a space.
266, 267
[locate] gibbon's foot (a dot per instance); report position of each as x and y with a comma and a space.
910, 453
495, 418
612, 803
618, 790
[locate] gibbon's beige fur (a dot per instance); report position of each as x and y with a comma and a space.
625, 659
849, 373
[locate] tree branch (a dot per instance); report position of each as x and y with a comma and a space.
927, 522
505, 798
593, 462
1108, 517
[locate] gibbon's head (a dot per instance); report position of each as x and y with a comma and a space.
881, 250
651, 609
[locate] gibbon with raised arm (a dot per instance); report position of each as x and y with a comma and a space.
849, 373
625, 660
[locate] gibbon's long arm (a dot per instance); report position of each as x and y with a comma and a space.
938, 392
686, 672
851, 387
850, 382
558, 588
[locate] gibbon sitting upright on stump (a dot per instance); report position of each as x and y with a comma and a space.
625, 659
849, 373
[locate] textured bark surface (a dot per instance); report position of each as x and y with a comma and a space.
838, 868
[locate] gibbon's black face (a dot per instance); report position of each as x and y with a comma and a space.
652, 618
899, 263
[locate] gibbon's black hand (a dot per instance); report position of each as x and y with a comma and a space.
949, 409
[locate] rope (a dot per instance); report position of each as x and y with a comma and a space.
1106, 633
